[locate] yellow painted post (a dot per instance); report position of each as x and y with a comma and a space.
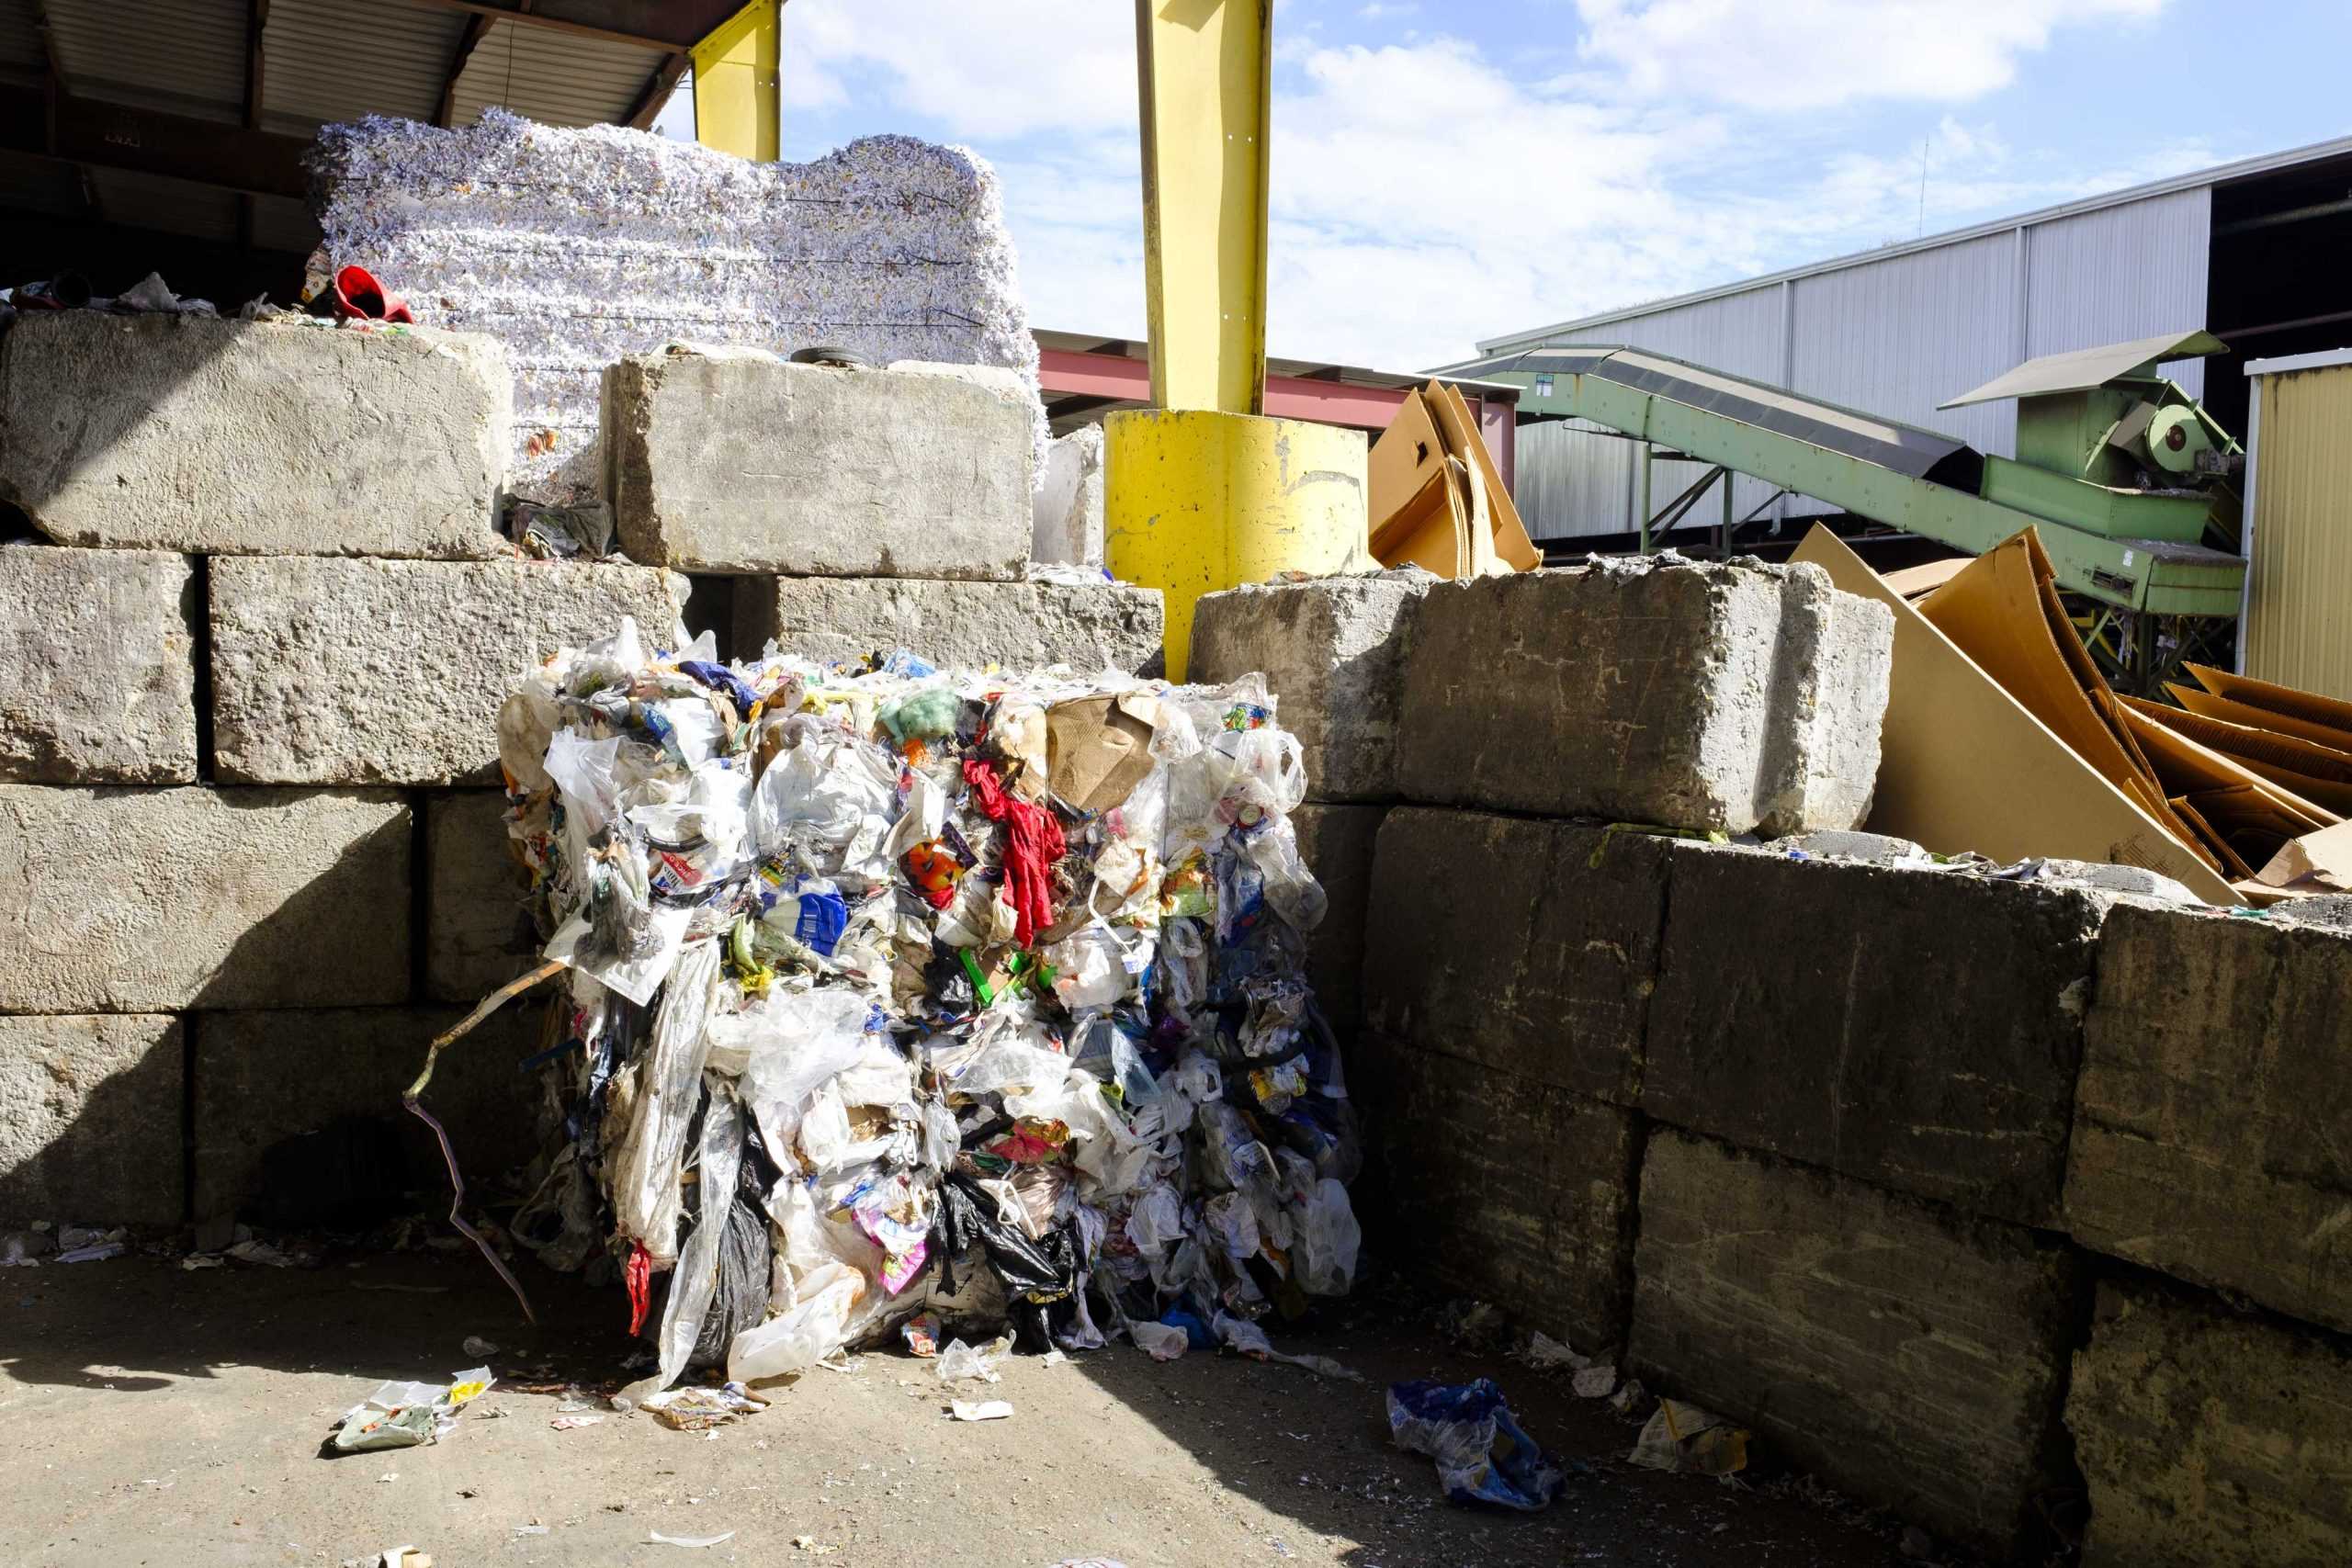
738, 106
1199, 501
1203, 492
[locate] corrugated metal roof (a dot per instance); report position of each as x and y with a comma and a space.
42, 185
554, 77
2202, 180
20, 49
185, 56
336, 60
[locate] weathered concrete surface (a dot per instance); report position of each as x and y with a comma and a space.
1502, 1187
2210, 1441
150, 900
1066, 516
1704, 697
97, 666
1530, 947
740, 463
90, 1118
1913, 1358
262, 1078
1337, 841
1090, 626
478, 931
225, 438
2210, 1127
1913, 1027
1333, 651
348, 672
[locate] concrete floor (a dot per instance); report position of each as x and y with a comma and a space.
153, 1415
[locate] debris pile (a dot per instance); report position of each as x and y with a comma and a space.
909, 993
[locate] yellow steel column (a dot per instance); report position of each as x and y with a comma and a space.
1201, 493
737, 104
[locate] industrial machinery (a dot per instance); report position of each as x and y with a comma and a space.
2118, 470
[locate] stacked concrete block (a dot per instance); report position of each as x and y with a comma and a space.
1913, 1027
1336, 841
1512, 1191
2210, 1133
1090, 626
90, 1116
1333, 651
160, 900
1729, 698
1066, 518
1526, 947
1914, 1357
2210, 1439
735, 462
227, 437
478, 929
352, 1064
97, 666
374, 672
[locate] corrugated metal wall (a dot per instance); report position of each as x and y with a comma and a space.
1895, 337
2297, 631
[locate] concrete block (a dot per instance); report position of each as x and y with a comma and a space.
262, 1078
1704, 696
1066, 515
97, 666
478, 930
1497, 1187
227, 437
2210, 1124
347, 672
90, 1118
1336, 841
152, 900
1917, 1029
1909, 1356
2209, 1439
1333, 651
1019, 625
1528, 946
742, 463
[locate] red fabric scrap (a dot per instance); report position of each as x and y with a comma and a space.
1033, 842
639, 1273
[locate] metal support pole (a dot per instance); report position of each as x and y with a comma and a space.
737, 104
1642, 498
1722, 533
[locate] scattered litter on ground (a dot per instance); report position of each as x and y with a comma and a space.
405, 1414
964, 1363
1688, 1440
476, 1345
1482, 1455
658, 1538
699, 1409
265, 1254
574, 1423
533, 1528
987, 1410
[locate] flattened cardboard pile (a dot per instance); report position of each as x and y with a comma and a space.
1436, 498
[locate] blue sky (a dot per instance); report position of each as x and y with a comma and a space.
1449, 171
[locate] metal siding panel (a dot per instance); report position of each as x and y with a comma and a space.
20, 48
2300, 576
2120, 273
337, 60
1572, 480
186, 56
552, 77
31, 184
177, 207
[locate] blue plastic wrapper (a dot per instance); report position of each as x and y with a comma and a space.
1482, 1454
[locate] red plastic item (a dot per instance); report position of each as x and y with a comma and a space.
355, 295
639, 1273
1033, 842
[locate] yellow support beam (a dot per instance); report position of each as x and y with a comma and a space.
738, 106
1205, 86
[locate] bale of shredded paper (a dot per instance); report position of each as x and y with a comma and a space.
984, 990
575, 247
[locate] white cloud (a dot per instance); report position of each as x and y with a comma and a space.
1426, 194
1810, 55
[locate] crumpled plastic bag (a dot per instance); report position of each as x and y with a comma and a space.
1684, 1438
408, 1414
1482, 1454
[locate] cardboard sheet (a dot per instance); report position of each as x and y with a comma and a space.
1434, 497
1964, 765
1099, 749
2002, 610
1464, 439
2320, 775
1432, 530
2321, 861
2268, 695
2185, 767
2203, 702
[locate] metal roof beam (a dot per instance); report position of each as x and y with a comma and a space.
477, 29
147, 141
658, 88
681, 26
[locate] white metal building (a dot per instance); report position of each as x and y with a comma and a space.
2259, 252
